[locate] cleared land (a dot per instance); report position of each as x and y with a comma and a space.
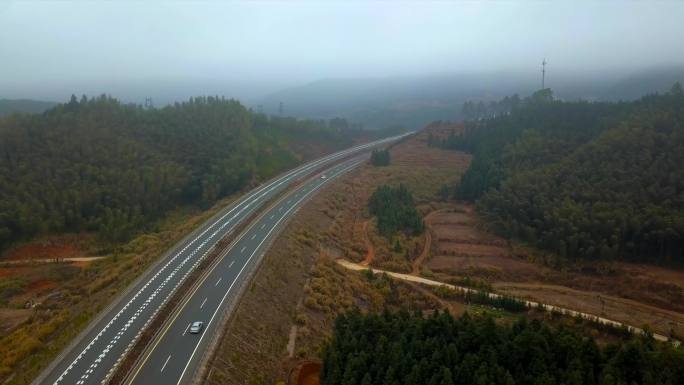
634, 294
287, 313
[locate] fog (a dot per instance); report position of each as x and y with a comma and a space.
171, 50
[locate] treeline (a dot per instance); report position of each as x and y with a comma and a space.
477, 110
402, 348
100, 165
395, 211
380, 157
590, 180
482, 297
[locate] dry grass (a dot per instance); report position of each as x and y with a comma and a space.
634, 294
66, 296
301, 285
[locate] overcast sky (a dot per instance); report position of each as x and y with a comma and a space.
49, 50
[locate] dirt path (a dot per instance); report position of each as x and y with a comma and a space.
370, 254
48, 260
418, 262
550, 308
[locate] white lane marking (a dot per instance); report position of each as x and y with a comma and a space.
165, 362
186, 328
231, 264
253, 236
271, 216
247, 263
263, 225
243, 249
219, 280
264, 190
203, 302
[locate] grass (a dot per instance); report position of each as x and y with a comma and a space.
84, 292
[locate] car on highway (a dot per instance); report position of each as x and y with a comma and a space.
324, 177
196, 327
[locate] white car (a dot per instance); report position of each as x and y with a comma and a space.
323, 177
196, 327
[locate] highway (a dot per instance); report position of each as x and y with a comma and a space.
91, 357
176, 354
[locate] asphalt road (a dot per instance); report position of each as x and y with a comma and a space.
175, 355
94, 353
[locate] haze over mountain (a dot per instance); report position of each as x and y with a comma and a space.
173, 50
417, 100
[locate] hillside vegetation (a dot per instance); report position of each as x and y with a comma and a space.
589, 180
99, 165
399, 348
395, 210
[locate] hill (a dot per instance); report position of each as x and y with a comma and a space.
8, 106
414, 101
590, 180
99, 165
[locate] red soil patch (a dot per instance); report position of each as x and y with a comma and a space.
42, 250
469, 249
309, 373
13, 272
508, 268
40, 285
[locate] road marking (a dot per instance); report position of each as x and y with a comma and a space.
165, 362
354, 164
272, 185
186, 328
243, 249
231, 264
219, 280
253, 236
263, 225
203, 302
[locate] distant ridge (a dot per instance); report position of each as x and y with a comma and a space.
8, 106
415, 101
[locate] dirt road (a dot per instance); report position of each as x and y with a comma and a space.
572, 313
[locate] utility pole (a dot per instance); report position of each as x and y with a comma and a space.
543, 72
280, 108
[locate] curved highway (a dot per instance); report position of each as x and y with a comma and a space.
95, 352
175, 355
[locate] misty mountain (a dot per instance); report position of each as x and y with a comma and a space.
635, 85
415, 101
8, 106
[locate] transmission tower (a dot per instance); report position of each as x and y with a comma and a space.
280, 108
148, 103
543, 73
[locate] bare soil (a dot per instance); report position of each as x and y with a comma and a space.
630, 293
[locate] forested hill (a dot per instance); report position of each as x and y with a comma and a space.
99, 165
404, 349
9, 106
591, 180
